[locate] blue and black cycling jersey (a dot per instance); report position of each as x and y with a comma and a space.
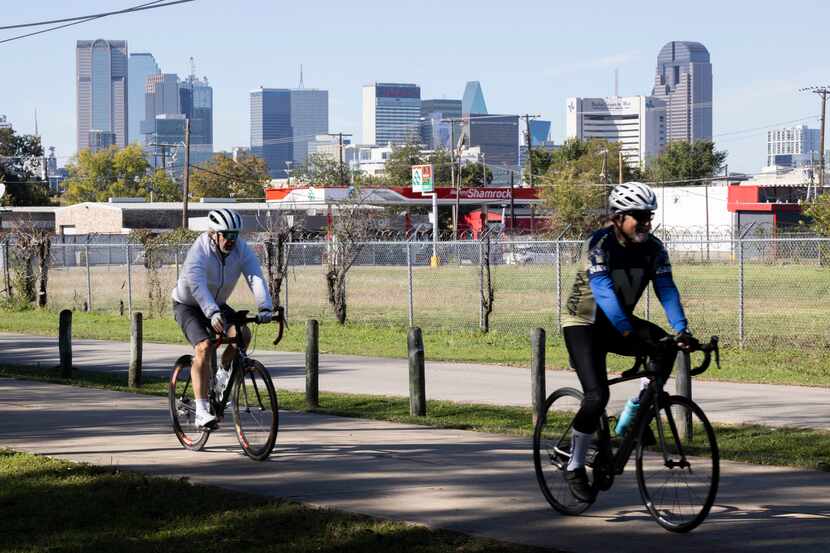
613, 278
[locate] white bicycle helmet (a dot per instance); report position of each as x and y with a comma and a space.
224, 220
632, 196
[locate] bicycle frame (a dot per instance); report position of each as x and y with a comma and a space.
650, 404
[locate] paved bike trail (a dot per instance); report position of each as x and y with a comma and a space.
476, 483
772, 405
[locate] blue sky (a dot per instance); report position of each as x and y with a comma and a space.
529, 57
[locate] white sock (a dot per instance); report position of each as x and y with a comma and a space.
579, 449
202, 406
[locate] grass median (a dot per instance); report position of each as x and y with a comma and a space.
797, 447
54, 505
796, 366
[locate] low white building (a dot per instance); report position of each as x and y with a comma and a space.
687, 214
637, 122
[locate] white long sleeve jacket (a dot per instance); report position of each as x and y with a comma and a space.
207, 279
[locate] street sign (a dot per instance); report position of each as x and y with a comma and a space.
422, 180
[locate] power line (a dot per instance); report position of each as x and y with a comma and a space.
78, 20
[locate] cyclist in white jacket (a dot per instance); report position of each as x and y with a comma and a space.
213, 265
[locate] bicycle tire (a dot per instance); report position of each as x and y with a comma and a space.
678, 497
551, 451
256, 421
183, 407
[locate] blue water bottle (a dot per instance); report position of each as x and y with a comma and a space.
627, 415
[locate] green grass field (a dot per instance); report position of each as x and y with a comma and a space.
784, 365
785, 305
54, 505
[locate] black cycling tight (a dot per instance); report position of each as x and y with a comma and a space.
588, 347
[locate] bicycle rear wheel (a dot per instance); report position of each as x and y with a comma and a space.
552, 451
678, 476
255, 410
183, 406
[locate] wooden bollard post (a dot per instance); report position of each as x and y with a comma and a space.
683, 387
136, 348
65, 342
537, 372
312, 364
417, 381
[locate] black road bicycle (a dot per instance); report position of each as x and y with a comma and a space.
677, 458
249, 393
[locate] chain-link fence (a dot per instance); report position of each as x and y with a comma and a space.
760, 293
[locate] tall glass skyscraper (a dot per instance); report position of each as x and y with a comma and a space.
436, 132
684, 83
101, 86
283, 122
196, 100
391, 113
141, 66
473, 100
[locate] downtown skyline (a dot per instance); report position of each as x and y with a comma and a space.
755, 82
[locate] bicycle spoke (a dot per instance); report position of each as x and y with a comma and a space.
679, 487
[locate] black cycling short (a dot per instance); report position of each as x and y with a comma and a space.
194, 324
588, 347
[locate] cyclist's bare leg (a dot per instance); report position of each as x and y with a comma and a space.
200, 369
230, 351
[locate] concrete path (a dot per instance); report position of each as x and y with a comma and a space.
771, 405
470, 482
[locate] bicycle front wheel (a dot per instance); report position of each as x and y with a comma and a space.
678, 475
552, 451
255, 410
183, 407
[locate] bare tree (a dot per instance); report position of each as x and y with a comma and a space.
353, 223
281, 231
30, 245
487, 289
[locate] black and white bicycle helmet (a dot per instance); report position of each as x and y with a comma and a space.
224, 220
632, 196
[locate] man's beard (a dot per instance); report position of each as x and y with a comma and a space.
639, 236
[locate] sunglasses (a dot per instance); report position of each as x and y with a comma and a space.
641, 216
231, 235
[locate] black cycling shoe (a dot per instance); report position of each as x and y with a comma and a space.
578, 483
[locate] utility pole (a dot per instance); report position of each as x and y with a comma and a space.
512, 211
528, 117
340, 136
186, 171
822, 92
456, 210
452, 181
483, 170
621, 166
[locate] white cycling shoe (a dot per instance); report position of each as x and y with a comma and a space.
205, 419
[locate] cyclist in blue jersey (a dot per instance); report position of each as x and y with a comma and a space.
620, 260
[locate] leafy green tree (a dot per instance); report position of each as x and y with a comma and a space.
819, 211
21, 157
685, 163
576, 184
222, 177
475, 174
111, 172
398, 170
164, 188
322, 169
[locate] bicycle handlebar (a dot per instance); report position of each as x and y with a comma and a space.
707, 349
242, 318
673, 342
